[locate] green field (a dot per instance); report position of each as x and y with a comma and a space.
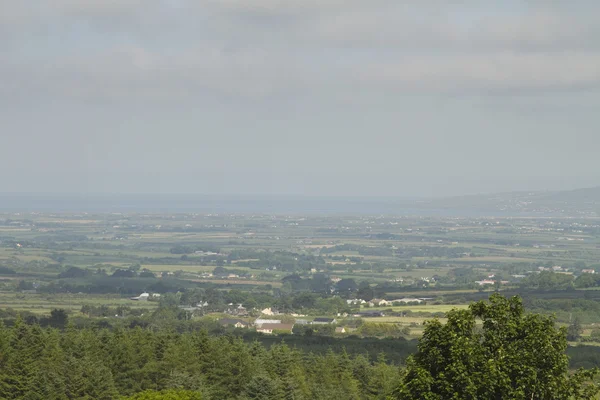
43, 304
422, 308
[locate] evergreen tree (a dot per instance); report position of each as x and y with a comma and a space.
574, 330
262, 387
166, 395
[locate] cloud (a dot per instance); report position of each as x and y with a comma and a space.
161, 49
502, 72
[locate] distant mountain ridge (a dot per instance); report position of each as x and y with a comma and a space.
577, 202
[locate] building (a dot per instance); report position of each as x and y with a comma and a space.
239, 311
269, 311
270, 329
323, 321
259, 321
238, 323
340, 329
369, 314
407, 300
142, 297
588, 271
379, 303
355, 302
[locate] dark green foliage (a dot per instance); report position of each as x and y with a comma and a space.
513, 356
6, 270
574, 330
37, 363
166, 395
123, 273
58, 318
548, 280
74, 272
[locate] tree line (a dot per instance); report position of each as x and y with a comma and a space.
493, 350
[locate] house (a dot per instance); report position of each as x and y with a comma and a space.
260, 321
407, 300
323, 321
588, 271
379, 303
485, 282
369, 314
270, 329
340, 329
238, 323
239, 311
142, 297
355, 302
269, 311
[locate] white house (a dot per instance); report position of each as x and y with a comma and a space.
259, 321
379, 303
143, 297
269, 311
407, 300
271, 328
588, 271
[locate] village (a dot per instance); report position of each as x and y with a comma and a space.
271, 321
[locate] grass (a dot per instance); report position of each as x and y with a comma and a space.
175, 267
424, 308
238, 282
43, 304
402, 320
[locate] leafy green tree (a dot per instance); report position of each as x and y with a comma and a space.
365, 291
169, 300
347, 285
574, 330
514, 355
586, 280
58, 318
595, 334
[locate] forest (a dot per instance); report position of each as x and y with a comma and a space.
48, 363
491, 350
76, 326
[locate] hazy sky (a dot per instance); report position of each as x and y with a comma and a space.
319, 97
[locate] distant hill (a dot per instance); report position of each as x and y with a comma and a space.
578, 202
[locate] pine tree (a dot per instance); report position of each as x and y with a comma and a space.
166, 395
26, 345
262, 387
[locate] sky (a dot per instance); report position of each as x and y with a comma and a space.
299, 97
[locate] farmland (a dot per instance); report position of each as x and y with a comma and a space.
68, 261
